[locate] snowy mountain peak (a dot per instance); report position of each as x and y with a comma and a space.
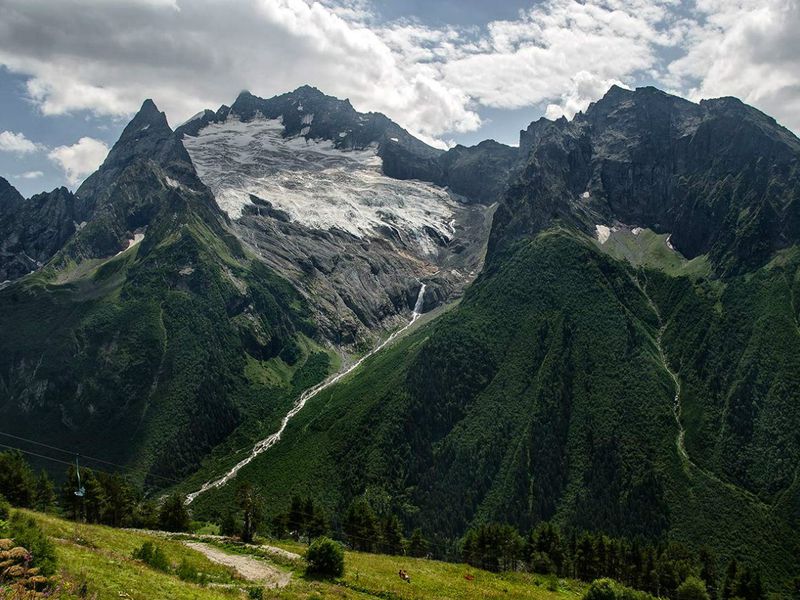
316, 182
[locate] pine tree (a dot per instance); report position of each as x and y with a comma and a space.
417, 545
296, 519
229, 526
361, 526
250, 504
45, 492
731, 576
17, 481
391, 535
708, 571
173, 515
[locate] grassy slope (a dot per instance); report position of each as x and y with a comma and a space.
103, 559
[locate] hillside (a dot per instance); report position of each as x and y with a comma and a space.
101, 557
548, 394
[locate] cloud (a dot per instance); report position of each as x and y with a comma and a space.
30, 175
79, 159
744, 48
106, 56
16, 143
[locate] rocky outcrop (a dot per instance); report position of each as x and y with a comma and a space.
32, 230
720, 176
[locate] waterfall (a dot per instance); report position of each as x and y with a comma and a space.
267, 443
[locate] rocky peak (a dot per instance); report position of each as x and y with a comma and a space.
10, 198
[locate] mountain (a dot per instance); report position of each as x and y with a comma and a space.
615, 346
354, 210
192, 287
147, 338
33, 230
625, 362
719, 176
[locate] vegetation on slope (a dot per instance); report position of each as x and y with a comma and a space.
547, 394
153, 357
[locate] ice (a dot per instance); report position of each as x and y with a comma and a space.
315, 183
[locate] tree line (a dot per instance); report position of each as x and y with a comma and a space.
659, 570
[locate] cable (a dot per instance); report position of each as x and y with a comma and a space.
69, 464
72, 453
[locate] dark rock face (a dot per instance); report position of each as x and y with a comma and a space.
33, 230
144, 167
720, 176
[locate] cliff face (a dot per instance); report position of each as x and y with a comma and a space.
719, 176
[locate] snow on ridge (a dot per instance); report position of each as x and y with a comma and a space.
315, 183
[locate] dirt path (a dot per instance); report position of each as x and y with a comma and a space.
249, 568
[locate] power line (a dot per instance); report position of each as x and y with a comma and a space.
72, 453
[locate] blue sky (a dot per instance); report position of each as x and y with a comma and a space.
72, 72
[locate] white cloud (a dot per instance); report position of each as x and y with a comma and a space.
79, 159
16, 143
744, 48
106, 56
30, 175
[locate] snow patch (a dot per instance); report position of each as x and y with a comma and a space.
394, 139
308, 119
315, 183
586, 195
137, 237
636, 230
603, 233
342, 134
172, 183
304, 131
669, 243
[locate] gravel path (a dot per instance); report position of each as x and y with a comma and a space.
249, 568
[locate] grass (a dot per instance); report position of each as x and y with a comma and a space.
649, 249
100, 558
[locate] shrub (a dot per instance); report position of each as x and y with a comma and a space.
5, 509
325, 558
608, 589
188, 572
601, 589
152, 555
27, 533
693, 589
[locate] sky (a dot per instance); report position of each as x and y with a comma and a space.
73, 72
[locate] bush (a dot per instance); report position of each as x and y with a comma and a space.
608, 589
152, 555
5, 509
325, 558
27, 533
601, 589
188, 572
693, 589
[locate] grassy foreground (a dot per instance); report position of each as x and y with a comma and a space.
98, 558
